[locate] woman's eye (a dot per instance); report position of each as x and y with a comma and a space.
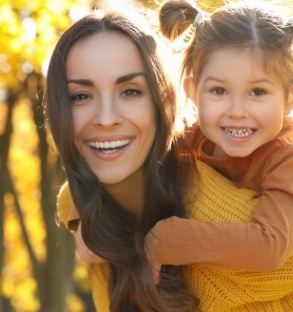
218, 91
131, 92
258, 92
79, 97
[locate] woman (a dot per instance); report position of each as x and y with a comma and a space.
111, 110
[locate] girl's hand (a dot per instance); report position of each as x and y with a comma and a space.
84, 252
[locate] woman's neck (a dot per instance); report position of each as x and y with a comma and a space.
129, 193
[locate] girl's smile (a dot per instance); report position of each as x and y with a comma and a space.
240, 105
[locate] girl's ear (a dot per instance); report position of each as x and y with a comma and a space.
190, 89
289, 104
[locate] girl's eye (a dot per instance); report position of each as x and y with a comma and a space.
219, 91
258, 92
131, 92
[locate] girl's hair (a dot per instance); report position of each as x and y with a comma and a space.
260, 28
110, 231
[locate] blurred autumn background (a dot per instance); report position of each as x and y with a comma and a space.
39, 268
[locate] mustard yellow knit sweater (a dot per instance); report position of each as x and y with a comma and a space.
227, 290
212, 198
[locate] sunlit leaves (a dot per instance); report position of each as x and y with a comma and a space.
29, 31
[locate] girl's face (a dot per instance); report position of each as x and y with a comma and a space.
240, 106
112, 108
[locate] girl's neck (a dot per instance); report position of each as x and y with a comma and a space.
129, 193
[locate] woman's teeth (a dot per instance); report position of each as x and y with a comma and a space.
109, 146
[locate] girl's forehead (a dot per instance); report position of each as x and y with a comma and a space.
233, 64
258, 58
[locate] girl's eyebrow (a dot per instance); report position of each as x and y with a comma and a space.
264, 80
212, 78
88, 82
261, 80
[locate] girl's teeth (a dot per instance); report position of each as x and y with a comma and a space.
239, 133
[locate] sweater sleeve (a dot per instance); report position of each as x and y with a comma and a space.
66, 211
228, 226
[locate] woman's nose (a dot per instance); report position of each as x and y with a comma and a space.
107, 113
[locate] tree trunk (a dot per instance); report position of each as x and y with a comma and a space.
5, 138
54, 277
57, 273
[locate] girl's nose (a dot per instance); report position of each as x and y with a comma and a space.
237, 108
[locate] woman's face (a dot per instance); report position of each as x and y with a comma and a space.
112, 108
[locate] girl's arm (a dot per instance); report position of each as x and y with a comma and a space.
230, 228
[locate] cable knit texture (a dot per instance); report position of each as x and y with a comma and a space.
214, 198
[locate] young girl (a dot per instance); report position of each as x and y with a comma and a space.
239, 74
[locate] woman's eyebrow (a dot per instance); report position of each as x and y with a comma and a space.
84, 82
129, 77
88, 82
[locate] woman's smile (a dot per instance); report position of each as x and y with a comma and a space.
110, 147
112, 107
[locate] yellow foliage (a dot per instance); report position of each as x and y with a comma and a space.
29, 31
75, 304
17, 279
80, 274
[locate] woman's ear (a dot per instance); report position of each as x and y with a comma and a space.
190, 88
289, 103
